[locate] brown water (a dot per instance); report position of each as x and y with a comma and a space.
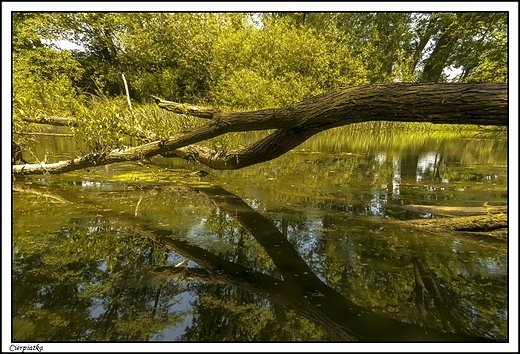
308, 247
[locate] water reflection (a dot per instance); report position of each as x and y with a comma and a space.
297, 249
291, 284
396, 177
428, 167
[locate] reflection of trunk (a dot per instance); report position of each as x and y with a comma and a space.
425, 279
110, 317
437, 168
155, 303
277, 246
418, 296
409, 167
309, 295
218, 270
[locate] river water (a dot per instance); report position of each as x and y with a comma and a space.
313, 246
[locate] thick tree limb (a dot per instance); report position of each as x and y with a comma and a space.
482, 104
268, 148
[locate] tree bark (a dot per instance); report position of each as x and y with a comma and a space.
480, 104
491, 227
436, 62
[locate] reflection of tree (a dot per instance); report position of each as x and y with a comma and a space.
89, 283
425, 280
36, 291
300, 290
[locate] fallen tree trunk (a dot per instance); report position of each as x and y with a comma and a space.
465, 223
491, 227
482, 104
455, 211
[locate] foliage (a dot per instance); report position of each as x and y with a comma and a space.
236, 61
277, 65
103, 124
381, 42
210, 56
171, 53
408, 47
44, 79
484, 58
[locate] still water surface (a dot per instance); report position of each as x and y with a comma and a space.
312, 246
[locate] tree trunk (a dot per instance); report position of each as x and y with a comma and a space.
480, 104
491, 227
477, 223
437, 61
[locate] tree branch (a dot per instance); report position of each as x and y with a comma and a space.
184, 108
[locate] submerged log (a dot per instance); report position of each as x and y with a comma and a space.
465, 223
492, 227
455, 211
